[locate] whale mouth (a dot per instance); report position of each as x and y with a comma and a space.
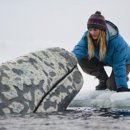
54, 86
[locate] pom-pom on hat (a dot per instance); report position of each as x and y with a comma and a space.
97, 21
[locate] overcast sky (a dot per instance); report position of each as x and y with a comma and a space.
31, 25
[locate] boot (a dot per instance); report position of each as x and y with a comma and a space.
101, 85
102, 79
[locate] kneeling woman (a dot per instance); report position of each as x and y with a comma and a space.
102, 46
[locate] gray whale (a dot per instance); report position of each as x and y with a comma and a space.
42, 81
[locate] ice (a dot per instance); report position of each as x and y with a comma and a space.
102, 99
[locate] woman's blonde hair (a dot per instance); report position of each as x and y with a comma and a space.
102, 45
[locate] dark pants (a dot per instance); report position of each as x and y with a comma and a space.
96, 68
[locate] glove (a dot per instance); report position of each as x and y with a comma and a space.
123, 89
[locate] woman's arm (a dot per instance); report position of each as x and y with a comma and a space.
119, 62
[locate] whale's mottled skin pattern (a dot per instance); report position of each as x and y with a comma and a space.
47, 80
61, 96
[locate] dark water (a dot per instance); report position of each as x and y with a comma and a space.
72, 119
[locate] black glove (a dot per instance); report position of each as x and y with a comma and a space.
123, 89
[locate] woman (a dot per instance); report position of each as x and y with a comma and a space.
102, 46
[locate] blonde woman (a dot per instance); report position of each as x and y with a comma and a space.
100, 46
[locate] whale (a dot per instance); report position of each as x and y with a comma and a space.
41, 81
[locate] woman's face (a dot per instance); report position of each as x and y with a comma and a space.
94, 33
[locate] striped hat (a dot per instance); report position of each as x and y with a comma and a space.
97, 21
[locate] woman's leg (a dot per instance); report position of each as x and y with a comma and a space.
95, 68
111, 84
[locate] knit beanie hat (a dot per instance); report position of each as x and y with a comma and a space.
97, 21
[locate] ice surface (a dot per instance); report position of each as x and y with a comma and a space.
102, 99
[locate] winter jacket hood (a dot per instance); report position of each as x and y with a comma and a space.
112, 31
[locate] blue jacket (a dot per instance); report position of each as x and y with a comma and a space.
117, 54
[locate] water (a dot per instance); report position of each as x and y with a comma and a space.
72, 119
